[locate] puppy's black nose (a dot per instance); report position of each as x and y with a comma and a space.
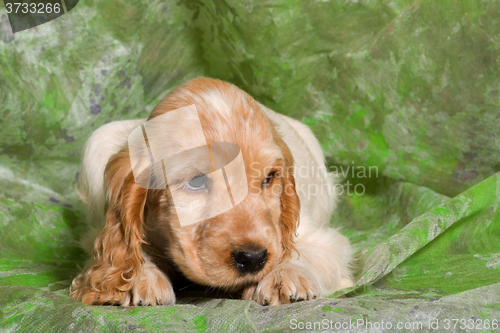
249, 260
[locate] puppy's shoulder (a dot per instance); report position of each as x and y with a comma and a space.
111, 135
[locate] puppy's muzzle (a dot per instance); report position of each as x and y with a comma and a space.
249, 259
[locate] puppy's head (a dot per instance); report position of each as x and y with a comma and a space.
238, 246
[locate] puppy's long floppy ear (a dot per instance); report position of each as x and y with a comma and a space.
290, 203
117, 249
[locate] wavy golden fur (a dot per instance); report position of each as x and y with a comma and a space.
257, 247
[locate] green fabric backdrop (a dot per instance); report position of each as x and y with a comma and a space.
409, 90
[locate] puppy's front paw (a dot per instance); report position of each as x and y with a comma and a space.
152, 287
286, 283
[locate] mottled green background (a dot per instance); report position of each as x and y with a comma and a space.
409, 88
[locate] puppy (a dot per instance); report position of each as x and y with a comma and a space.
275, 246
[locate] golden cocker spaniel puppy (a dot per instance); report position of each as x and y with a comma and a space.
274, 245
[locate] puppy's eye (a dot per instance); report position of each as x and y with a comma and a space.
197, 183
269, 178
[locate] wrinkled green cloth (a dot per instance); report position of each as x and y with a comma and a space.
403, 95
